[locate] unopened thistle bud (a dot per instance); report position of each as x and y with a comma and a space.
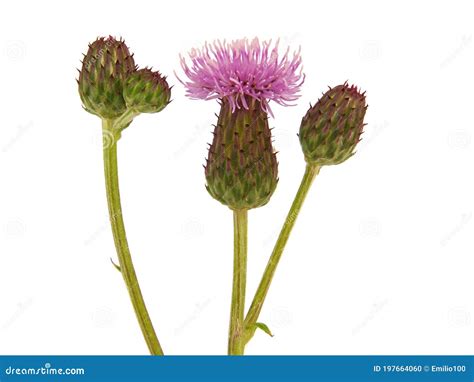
105, 67
146, 91
241, 170
331, 128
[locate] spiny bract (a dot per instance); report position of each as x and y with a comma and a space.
242, 169
146, 91
331, 128
105, 68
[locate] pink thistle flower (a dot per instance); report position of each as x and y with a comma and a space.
243, 69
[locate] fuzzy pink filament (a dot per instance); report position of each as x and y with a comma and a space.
241, 69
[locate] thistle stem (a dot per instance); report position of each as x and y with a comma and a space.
236, 329
122, 122
262, 290
120, 238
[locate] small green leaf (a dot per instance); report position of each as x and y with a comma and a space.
264, 327
117, 267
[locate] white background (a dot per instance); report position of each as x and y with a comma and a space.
381, 258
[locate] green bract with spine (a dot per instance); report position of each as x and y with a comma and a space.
146, 91
331, 128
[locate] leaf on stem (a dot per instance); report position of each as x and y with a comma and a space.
264, 327
117, 267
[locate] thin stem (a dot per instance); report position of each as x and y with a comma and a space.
111, 136
258, 300
236, 329
124, 120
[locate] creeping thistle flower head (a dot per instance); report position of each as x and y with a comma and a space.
242, 70
242, 169
110, 83
105, 68
331, 128
147, 91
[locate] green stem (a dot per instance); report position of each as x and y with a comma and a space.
111, 136
236, 329
124, 120
258, 300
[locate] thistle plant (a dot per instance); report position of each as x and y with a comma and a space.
113, 88
329, 133
241, 169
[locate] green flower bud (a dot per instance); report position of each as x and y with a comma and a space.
146, 91
105, 68
331, 128
242, 169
